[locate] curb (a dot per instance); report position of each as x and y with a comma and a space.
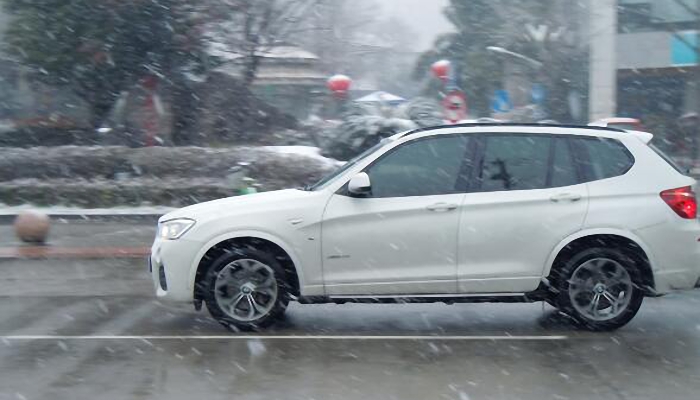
9, 217
75, 253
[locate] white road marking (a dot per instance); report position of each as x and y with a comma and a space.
280, 337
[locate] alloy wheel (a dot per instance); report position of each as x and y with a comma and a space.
600, 289
246, 290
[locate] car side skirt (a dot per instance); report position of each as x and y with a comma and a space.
537, 295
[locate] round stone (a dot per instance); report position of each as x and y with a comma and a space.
32, 226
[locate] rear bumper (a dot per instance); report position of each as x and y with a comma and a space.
667, 281
675, 255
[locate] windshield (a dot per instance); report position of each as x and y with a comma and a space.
348, 165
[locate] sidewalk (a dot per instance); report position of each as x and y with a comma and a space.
81, 258
83, 239
8, 213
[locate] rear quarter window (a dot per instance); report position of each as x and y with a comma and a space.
669, 160
601, 158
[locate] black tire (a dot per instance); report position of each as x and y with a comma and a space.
565, 274
225, 318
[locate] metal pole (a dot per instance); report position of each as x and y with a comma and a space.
603, 61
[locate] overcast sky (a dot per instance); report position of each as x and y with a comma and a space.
424, 16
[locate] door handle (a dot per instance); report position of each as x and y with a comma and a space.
565, 197
441, 207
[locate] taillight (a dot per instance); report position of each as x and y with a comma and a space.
682, 201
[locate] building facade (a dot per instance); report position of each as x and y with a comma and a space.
288, 77
657, 59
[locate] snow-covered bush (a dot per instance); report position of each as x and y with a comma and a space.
169, 176
423, 111
364, 125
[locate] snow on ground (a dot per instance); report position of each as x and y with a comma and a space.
308, 151
6, 126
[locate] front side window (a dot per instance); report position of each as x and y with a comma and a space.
325, 181
514, 162
563, 172
422, 167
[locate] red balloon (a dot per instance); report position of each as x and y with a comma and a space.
441, 69
339, 84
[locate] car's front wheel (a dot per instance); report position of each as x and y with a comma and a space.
600, 289
246, 290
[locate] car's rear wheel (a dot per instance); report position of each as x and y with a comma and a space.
600, 289
246, 290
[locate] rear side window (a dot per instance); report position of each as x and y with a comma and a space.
514, 162
602, 158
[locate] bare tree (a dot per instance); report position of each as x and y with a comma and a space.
249, 29
336, 30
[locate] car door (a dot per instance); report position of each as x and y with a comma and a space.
525, 198
402, 237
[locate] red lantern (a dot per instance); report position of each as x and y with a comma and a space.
339, 85
441, 69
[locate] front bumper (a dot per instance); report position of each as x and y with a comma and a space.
172, 265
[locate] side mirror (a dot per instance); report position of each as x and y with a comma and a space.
360, 184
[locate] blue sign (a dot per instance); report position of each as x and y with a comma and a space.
501, 102
451, 83
683, 48
538, 93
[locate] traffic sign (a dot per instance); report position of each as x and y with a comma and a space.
538, 93
501, 102
455, 106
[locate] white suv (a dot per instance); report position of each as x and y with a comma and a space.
588, 219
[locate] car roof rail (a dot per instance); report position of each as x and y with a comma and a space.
514, 124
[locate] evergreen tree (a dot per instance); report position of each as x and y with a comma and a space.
364, 125
545, 30
101, 47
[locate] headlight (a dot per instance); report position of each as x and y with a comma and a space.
175, 228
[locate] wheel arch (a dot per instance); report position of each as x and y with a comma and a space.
631, 243
259, 240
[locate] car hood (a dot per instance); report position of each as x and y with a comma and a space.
238, 205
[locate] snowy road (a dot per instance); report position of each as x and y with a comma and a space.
131, 347
87, 329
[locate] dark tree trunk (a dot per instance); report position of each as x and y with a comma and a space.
251, 69
256, 40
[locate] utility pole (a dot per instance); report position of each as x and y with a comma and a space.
603, 61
